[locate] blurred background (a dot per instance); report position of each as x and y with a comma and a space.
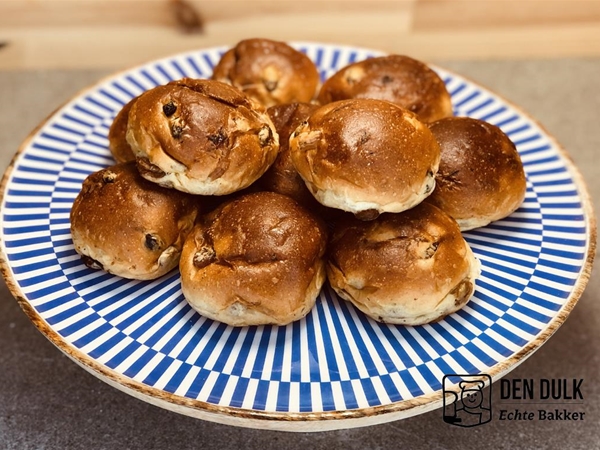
118, 33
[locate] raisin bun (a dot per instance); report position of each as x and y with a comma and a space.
128, 226
256, 260
481, 177
366, 157
117, 135
282, 176
269, 71
409, 268
396, 78
201, 136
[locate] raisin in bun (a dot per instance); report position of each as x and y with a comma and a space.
256, 260
117, 140
481, 177
366, 157
128, 226
269, 71
409, 268
396, 78
282, 176
201, 136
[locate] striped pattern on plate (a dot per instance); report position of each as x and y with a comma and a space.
335, 359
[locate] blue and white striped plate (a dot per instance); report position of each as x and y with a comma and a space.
336, 368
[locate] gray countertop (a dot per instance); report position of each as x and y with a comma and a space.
48, 402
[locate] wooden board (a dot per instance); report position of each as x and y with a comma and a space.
120, 33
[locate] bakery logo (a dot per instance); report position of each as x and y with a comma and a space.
545, 399
466, 403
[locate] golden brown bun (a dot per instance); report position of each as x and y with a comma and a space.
366, 156
117, 141
282, 177
409, 268
201, 136
481, 177
256, 260
398, 79
269, 71
129, 226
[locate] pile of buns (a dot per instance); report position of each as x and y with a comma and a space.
260, 183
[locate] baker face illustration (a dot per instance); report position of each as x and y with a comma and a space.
471, 393
466, 404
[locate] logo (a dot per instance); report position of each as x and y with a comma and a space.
466, 404
544, 399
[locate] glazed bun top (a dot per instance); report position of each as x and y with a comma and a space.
129, 226
396, 78
481, 177
263, 227
255, 260
408, 268
201, 136
364, 154
117, 135
288, 117
410, 243
282, 176
269, 71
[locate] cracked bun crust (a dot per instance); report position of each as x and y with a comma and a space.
481, 177
366, 157
255, 260
128, 226
117, 135
201, 136
269, 71
409, 268
395, 78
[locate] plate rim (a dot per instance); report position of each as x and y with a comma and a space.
298, 421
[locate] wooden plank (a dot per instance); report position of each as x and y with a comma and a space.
66, 13
557, 41
97, 47
477, 14
103, 47
104, 37
428, 14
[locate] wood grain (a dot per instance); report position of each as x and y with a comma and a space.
120, 33
499, 14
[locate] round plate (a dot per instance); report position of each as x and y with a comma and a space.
334, 369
